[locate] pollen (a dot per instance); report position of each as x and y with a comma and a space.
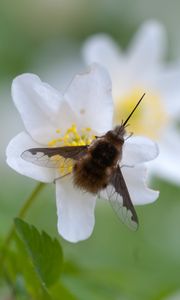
52, 143
71, 137
150, 118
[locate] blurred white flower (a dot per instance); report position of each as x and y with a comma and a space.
48, 117
141, 69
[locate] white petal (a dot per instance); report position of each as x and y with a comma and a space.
89, 96
138, 149
40, 106
135, 180
102, 49
166, 82
19, 144
75, 211
147, 48
168, 162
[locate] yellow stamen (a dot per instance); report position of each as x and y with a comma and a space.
72, 137
149, 118
52, 143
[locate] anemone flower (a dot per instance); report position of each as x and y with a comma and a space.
53, 119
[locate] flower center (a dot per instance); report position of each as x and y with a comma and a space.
149, 118
72, 137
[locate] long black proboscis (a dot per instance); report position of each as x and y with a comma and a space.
134, 109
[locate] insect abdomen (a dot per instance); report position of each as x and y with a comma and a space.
89, 176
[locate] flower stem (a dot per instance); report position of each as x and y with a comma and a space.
21, 215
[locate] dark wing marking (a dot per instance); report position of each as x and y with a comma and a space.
120, 200
54, 157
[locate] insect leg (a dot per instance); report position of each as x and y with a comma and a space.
130, 135
126, 166
60, 177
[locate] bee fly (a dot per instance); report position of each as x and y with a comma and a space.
95, 168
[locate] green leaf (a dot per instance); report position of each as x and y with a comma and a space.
27, 277
59, 291
45, 253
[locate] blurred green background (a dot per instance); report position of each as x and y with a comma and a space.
45, 37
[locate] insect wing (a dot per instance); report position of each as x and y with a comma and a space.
54, 157
120, 200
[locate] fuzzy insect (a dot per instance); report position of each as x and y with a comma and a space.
96, 168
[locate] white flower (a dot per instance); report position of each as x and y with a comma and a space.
140, 69
48, 117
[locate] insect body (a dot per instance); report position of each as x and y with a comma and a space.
96, 168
